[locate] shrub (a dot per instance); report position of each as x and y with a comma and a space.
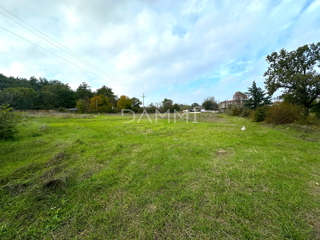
8, 122
235, 111
259, 114
316, 111
283, 113
245, 112
312, 119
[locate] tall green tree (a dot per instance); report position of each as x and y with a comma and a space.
8, 122
256, 97
106, 91
294, 73
84, 91
136, 104
61, 95
194, 105
19, 97
167, 104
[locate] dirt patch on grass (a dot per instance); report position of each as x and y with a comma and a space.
314, 220
52, 172
57, 159
54, 184
221, 153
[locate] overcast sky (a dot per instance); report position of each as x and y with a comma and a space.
182, 50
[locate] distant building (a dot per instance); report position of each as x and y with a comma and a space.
225, 104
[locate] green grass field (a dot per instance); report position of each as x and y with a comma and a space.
97, 177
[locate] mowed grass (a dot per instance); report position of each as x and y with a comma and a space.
99, 177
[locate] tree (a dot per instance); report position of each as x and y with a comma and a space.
194, 105
167, 104
210, 103
176, 107
19, 97
8, 122
135, 104
107, 92
124, 102
256, 97
239, 97
294, 73
151, 108
57, 94
84, 91
82, 105
100, 104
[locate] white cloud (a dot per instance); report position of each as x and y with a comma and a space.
162, 48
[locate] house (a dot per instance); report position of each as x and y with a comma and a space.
225, 104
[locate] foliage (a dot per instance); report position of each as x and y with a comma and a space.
316, 109
106, 91
210, 103
19, 97
256, 97
167, 104
151, 108
235, 110
124, 102
84, 91
245, 112
282, 113
136, 104
259, 114
294, 73
100, 104
8, 122
176, 107
194, 105
83, 105
239, 97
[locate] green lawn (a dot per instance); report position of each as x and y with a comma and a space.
98, 177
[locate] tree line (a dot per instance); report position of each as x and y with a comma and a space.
42, 94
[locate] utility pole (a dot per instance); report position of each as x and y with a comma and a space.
143, 96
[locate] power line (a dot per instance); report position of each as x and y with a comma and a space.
69, 51
63, 47
52, 53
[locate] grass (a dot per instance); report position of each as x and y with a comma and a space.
97, 177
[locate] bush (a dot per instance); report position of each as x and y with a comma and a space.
284, 113
259, 114
245, 112
312, 119
235, 111
8, 122
316, 111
